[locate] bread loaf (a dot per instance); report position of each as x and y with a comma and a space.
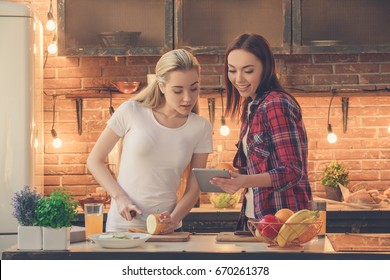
364, 196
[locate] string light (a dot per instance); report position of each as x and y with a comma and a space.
224, 130
50, 24
52, 48
57, 142
332, 137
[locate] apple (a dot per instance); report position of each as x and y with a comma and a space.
269, 226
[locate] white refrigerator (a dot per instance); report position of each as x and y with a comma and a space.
21, 110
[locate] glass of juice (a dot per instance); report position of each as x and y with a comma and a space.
93, 218
320, 206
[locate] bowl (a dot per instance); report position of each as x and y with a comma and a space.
224, 200
120, 240
119, 39
126, 87
284, 234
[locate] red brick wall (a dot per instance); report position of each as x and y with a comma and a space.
365, 147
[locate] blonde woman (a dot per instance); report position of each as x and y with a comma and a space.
162, 134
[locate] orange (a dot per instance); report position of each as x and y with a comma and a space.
283, 214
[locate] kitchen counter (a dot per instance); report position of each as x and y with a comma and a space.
340, 219
200, 246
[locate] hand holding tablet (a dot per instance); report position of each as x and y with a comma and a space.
204, 175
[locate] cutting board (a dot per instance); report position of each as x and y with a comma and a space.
355, 242
230, 237
172, 237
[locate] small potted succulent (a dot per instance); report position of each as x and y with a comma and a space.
55, 215
335, 174
25, 203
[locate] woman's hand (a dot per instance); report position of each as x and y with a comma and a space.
231, 185
169, 223
125, 205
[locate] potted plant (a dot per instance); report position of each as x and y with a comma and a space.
335, 174
55, 215
25, 203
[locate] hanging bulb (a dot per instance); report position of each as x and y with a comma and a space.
36, 143
332, 138
224, 130
57, 142
52, 48
50, 25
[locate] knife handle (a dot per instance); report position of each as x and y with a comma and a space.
133, 213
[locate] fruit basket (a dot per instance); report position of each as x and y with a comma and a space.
293, 233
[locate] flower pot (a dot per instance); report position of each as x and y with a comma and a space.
333, 193
29, 238
56, 238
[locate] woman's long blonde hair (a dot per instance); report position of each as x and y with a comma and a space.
174, 60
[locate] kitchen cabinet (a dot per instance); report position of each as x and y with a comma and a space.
340, 26
202, 26
81, 25
207, 26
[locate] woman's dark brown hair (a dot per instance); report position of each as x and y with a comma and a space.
258, 46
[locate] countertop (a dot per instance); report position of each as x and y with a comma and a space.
200, 246
340, 219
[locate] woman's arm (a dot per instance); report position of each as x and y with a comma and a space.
102, 175
192, 191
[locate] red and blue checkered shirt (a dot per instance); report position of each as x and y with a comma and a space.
276, 143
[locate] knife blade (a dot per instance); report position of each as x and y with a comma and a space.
142, 217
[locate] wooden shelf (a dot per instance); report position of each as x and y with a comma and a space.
98, 94
216, 93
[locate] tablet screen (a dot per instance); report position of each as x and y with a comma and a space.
204, 175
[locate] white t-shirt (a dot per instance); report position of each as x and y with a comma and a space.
153, 159
250, 208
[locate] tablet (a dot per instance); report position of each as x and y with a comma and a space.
204, 175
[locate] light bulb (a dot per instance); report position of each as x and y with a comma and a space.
36, 143
51, 25
388, 129
224, 130
52, 48
332, 138
57, 143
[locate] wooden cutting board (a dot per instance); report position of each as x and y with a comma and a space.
356, 242
172, 237
230, 237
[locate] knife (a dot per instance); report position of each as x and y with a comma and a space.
142, 217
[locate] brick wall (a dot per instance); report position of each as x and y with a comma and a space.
365, 147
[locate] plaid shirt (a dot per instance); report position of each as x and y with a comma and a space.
277, 144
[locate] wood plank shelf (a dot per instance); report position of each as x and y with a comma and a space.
216, 93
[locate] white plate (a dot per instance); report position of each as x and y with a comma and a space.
120, 240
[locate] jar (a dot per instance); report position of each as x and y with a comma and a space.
320, 205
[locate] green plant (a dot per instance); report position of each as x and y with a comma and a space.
56, 211
25, 203
335, 173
